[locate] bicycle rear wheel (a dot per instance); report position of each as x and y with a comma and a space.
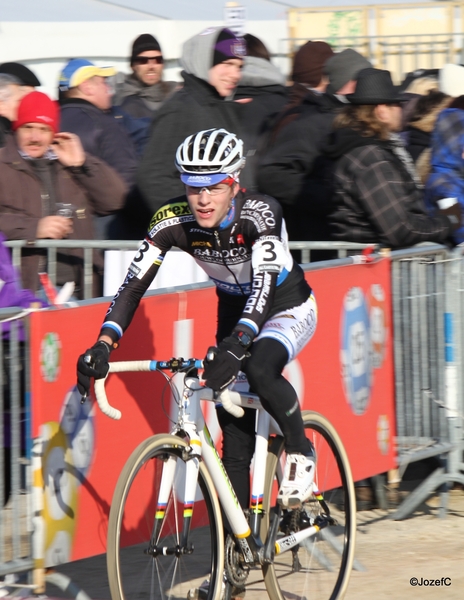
146, 556
319, 567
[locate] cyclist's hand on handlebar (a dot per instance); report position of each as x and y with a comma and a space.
223, 363
93, 363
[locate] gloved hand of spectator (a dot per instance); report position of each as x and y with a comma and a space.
454, 214
223, 363
93, 363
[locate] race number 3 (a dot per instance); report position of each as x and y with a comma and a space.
268, 255
144, 259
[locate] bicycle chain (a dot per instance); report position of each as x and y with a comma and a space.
236, 572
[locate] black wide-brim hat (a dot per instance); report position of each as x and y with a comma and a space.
375, 86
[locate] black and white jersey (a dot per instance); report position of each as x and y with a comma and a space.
247, 257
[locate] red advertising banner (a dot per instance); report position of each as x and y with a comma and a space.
345, 372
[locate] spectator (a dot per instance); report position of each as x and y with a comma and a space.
293, 167
212, 62
85, 100
262, 94
12, 295
307, 75
447, 162
16, 80
142, 92
416, 84
418, 133
40, 168
451, 80
377, 192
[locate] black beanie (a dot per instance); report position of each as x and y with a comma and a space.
21, 72
143, 43
227, 46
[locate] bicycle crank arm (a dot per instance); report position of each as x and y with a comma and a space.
169, 551
290, 541
267, 553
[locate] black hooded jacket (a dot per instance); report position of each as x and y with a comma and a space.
195, 107
293, 169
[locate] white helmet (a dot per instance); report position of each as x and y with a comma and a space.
212, 154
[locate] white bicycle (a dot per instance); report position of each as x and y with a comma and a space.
166, 533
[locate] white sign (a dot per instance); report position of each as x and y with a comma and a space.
235, 18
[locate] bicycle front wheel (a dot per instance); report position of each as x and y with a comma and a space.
160, 545
319, 567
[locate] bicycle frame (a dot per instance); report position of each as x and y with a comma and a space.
191, 424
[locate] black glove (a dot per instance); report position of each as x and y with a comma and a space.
93, 363
454, 214
223, 363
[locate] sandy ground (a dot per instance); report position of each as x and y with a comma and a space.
422, 546
391, 553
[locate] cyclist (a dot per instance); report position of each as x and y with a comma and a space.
266, 311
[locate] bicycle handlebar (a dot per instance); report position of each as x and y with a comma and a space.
175, 365
225, 397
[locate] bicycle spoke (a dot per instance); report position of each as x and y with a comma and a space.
145, 556
319, 566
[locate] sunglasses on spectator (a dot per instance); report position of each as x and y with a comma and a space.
144, 60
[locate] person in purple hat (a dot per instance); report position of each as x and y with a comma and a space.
212, 63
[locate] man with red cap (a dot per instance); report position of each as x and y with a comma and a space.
42, 169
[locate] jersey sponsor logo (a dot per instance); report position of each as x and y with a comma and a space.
232, 288
169, 223
202, 243
261, 287
134, 270
273, 325
203, 231
306, 325
264, 210
232, 255
240, 239
170, 210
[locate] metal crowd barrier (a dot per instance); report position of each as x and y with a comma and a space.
15, 446
428, 307
428, 338
52, 246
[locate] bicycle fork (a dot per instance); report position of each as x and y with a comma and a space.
188, 493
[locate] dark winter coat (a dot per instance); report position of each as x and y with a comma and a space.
100, 135
94, 188
195, 107
293, 169
261, 96
377, 200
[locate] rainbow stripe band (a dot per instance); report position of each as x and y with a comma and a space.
160, 511
257, 503
188, 509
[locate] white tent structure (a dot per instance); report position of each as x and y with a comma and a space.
45, 34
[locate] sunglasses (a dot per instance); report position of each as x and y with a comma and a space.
144, 60
214, 190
